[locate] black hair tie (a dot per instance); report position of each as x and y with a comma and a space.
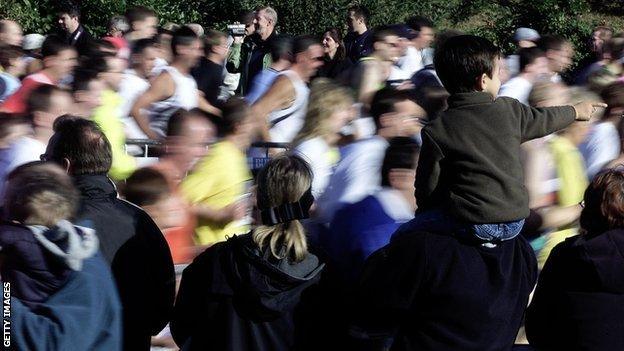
288, 212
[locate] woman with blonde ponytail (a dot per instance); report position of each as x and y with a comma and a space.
241, 294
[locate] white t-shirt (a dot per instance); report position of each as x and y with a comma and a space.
601, 146
517, 88
286, 123
319, 155
23, 150
407, 65
132, 86
357, 175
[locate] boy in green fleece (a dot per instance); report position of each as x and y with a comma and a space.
469, 178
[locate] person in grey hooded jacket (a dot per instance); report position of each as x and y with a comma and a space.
57, 279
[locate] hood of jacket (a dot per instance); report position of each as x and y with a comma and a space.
262, 286
70, 244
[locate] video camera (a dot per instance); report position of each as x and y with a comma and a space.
236, 29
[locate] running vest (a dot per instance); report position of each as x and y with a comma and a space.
185, 96
286, 123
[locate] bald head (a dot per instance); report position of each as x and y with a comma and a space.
10, 33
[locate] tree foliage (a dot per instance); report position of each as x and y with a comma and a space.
495, 20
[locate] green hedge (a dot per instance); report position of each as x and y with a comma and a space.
494, 20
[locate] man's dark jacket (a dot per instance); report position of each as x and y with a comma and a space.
139, 256
435, 291
579, 300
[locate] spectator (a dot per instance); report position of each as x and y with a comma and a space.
580, 289
524, 38
336, 63
75, 34
58, 61
143, 24
358, 41
218, 183
129, 239
108, 119
599, 56
251, 55
10, 33
135, 82
84, 292
45, 104
431, 291
209, 72
559, 53
358, 175
12, 68
40, 200
452, 170
359, 229
370, 73
232, 79
281, 58
330, 109
281, 110
174, 88
608, 70
602, 144
243, 294
533, 67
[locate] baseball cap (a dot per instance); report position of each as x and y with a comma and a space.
526, 34
32, 41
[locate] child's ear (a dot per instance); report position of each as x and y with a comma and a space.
482, 82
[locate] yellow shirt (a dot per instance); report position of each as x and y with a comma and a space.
107, 117
219, 180
572, 185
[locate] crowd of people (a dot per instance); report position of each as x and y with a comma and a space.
392, 188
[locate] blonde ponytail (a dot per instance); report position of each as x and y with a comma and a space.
284, 180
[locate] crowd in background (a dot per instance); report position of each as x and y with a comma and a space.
319, 187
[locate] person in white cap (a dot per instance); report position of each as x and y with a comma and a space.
524, 38
32, 52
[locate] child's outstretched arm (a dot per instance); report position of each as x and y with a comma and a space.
428, 172
539, 122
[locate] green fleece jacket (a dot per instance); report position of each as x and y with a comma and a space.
470, 158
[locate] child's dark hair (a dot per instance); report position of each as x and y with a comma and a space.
146, 186
463, 59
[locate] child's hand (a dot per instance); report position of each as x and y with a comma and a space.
585, 109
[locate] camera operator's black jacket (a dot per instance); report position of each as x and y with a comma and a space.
235, 296
139, 257
240, 60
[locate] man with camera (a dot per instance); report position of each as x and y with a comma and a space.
249, 55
